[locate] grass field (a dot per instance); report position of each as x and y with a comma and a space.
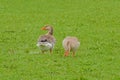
96, 23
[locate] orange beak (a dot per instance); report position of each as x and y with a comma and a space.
43, 28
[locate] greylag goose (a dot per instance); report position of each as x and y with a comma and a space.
46, 42
70, 44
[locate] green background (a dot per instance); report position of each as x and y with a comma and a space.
96, 23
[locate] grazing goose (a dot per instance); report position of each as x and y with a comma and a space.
70, 44
46, 42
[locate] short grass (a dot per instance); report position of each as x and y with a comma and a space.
96, 23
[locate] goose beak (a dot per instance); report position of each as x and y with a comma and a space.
43, 28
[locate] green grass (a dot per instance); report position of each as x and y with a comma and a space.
95, 22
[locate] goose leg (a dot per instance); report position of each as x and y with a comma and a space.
66, 53
73, 54
42, 52
50, 51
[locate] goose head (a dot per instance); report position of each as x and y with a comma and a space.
48, 28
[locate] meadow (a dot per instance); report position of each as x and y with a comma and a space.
96, 23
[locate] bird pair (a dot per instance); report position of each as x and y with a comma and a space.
46, 42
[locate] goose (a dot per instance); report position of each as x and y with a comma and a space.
46, 42
70, 44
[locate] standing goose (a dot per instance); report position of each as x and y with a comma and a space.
46, 42
70, 44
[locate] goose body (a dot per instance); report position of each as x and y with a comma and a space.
70, 44
46, 42
44, 46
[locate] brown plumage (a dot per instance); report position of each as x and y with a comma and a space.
70, 44
46, 42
